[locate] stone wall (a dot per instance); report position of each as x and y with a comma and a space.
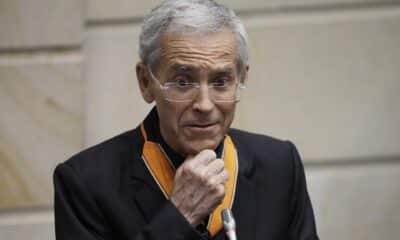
324, 74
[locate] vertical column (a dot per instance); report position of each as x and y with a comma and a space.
41, 108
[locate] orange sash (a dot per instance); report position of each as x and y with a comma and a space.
163, 172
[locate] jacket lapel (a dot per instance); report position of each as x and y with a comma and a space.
145, 192
244, 207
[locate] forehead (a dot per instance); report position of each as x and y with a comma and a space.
209, 51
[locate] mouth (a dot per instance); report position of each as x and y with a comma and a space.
202, 127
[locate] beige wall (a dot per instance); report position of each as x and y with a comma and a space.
324, 74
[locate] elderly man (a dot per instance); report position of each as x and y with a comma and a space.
171, 177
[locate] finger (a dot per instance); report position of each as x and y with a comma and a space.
203, 158
223, 176
221, 191
214, 167
215, 196
198, 165
220, 178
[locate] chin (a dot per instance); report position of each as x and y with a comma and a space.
194, 147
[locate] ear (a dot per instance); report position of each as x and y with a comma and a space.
245, 73
144, 82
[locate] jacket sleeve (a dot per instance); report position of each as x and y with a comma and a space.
78, 216
302, 226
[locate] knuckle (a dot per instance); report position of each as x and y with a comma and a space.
184, 168
178, 173
211, 183
200, 175
220, 199
187, 168
203, 178
218, 189
210, 154
220, 163
221, 190
225, 175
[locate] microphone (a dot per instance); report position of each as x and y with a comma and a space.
229, 224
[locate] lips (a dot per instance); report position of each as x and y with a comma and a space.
199, 128
202, 125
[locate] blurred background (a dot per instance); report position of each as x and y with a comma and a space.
324, 74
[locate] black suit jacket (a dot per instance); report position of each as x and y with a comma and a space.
106, 192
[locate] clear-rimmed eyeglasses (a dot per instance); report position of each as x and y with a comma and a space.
184, 89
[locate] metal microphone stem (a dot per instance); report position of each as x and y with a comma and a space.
229, 223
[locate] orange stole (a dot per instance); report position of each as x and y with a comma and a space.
163, 172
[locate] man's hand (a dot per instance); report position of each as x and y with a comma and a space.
199, 186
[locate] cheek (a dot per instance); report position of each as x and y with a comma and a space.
229, 113
172, 115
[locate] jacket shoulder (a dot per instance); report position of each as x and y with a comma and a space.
106, 159
256, 142
263, 150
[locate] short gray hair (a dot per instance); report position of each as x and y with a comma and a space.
188, 17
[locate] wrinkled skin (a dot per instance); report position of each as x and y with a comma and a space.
199, 186
194, 128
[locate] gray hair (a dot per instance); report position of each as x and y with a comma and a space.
189, 17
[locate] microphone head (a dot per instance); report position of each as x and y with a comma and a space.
228, 219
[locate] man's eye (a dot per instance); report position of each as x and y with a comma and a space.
220, 82
183, 82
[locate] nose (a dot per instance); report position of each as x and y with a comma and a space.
203, 102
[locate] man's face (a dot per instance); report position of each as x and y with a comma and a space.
189, 127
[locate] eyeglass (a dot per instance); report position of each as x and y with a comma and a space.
186, 90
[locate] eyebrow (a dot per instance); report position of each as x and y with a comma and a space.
181, 68
190, 68
222, 70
